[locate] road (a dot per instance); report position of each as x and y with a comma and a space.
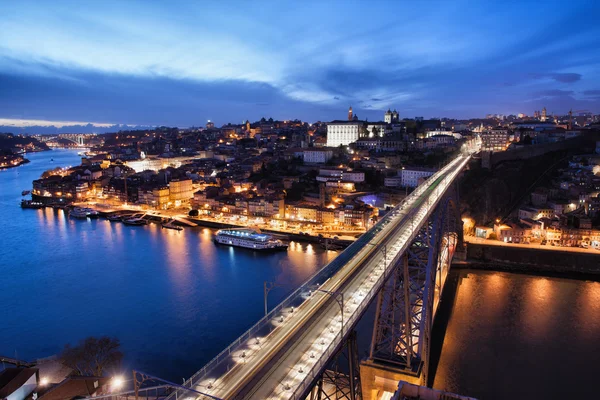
487, 242
283, 364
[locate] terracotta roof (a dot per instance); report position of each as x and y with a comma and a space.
11, 379
75, 387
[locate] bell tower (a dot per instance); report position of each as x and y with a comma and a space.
350, 114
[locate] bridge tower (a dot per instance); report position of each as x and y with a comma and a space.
407, 304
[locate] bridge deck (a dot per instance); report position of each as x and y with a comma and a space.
284, 363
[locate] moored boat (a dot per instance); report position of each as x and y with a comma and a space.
31, 204
79, 213
249, 239
171, 225
135, 221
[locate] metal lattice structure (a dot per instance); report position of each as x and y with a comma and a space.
335, 383
407, 303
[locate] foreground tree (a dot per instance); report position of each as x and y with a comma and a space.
92, 356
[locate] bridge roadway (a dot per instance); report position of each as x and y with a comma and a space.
284, 363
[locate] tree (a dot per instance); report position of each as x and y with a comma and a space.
92, 356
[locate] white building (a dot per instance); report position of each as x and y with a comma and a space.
393, 181
343, 132
340, 174
378, 129
412, 176
317, 156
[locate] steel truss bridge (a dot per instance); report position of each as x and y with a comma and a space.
401, 263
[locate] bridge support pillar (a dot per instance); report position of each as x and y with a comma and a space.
377, 378
342, 380
407, 303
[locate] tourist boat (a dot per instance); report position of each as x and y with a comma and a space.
135, 221
80, 213
249, 238
31, 204
171, 225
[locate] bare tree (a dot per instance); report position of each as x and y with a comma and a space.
92, 356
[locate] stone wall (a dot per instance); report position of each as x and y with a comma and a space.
518, 259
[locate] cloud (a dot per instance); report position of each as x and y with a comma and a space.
592, 93
566, 77
554, 93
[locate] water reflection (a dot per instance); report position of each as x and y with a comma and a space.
509, 334
174, 299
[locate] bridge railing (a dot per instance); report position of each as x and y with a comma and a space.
317, 369
224, 361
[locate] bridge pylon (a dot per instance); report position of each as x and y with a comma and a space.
407, 303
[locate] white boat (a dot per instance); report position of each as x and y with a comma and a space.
249, 239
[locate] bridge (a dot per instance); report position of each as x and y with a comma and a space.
401, 262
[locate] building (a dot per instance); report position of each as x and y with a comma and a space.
413, 176
18, 383
391, 117
340, 174
342, 133
181, 191
317, 156
496, 139
156, 196
77, 387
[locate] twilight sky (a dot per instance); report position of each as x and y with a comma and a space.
179, 63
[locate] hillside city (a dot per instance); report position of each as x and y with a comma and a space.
327, 178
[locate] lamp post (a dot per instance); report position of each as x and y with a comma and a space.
339, 298
268, 286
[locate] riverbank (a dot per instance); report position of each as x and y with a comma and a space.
555, 262
331, 241
7, 164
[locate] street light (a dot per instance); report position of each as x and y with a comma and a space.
268, 286
339, 298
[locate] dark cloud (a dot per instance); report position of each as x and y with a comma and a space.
592, 93
376, 99
336, 98
566, 77
554, 93
108, 98
558, 77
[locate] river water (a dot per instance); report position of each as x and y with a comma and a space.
175, 300
512, 336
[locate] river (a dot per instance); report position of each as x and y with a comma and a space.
174, 299
513, 336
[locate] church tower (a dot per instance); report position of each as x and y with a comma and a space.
544, 115
387, 117
350, 114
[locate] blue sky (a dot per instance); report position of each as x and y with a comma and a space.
182, 63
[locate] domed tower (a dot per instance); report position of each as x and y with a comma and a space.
388, 116
395, 116
350, 114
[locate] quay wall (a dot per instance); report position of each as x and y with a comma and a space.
530, 260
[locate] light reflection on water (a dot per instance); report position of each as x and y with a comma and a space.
174, 299
514, 336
